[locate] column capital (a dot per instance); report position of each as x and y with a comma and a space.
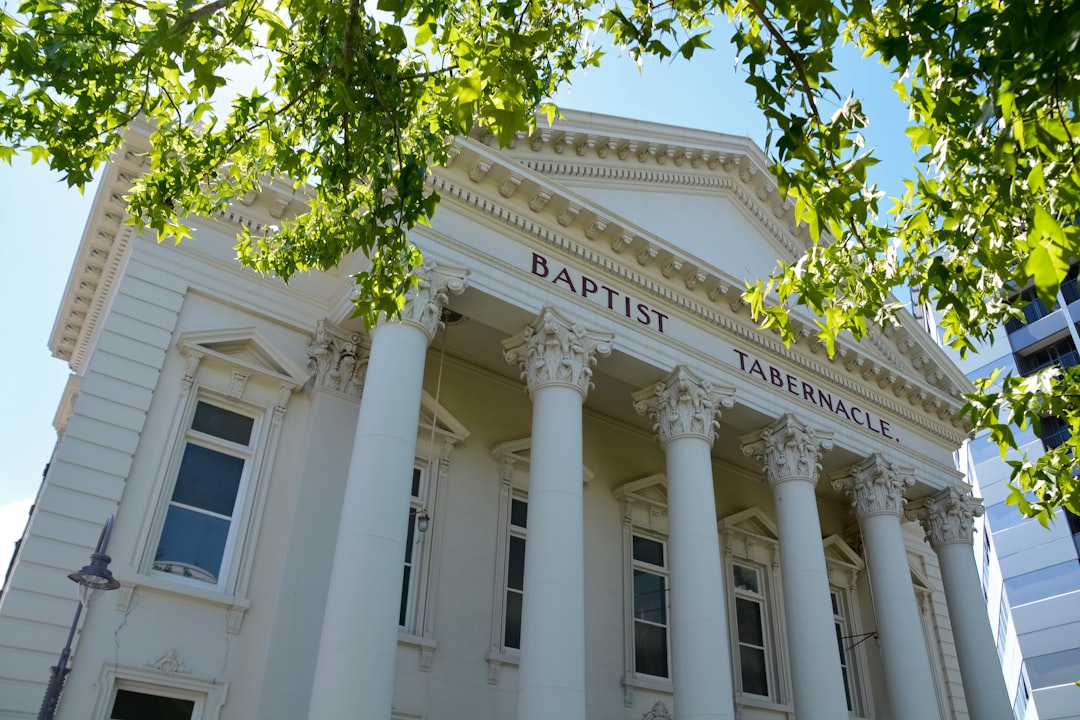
875, 486
552, 350
788, 450
425, 300
337, 359
948, 517
684, 404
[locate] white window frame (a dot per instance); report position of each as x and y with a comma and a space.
513, 459
419, 556
218, 444
763, 599
845, 567
219, 367
750, 538
645, 514
208, 694
660, 571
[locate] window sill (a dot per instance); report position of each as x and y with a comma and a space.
426, 646
495, 661
763, 703
650, 683
235, 606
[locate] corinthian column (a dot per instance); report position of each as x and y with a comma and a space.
876, 488
358, 649
556, 357
789, 452
686, 408
948, 519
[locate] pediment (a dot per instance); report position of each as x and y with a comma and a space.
751, 522
434, 416
838, 551
651, 489
515, 455
244, 347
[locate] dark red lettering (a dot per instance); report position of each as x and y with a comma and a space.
660, 318
627, 303
824, 399
792, 385
774, 377
610, 296
857, 420
643, 314
808, 392
742, 359
539, 263
756, 368
564, 276
841, 410
588, 286
885, 429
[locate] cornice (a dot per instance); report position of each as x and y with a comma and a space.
707, 293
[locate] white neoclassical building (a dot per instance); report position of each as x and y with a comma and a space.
572, 481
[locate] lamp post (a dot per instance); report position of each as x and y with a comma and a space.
95, 576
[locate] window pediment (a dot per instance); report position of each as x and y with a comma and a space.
246, 348
514, 456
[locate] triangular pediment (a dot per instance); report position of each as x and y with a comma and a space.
651, 489
435, 416
244, 347
751, 522
838, 551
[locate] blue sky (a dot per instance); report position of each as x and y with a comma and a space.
43, 223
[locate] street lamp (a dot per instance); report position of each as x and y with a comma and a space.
95, 576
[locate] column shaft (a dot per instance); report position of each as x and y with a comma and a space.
903, 649
815, 659
789, 454
949, 520
358, 649
980, 670
551, 680
701, 661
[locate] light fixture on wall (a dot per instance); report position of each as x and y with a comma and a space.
423, 521
95, 576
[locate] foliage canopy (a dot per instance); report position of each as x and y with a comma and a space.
358, 100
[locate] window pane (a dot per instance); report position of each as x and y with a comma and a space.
1047, 582
222, 423
416, 482
512, 633
1059, 668
404, 595
649, 600
748, 616
1002, 517
755, 679
650, 649
843, 662
191, 544
649, 551
519, 513
131, 705
515, 571
746, 578
208, 479
410, 536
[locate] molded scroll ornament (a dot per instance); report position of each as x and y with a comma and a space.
684, 405
788, 450
875, 486
554, 351
949, 517
424, 303
659, 712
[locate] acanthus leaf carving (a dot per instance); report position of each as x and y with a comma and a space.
424, 302
554, 350
875, 486
684, 405
338, 361
788, 450
949, 517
